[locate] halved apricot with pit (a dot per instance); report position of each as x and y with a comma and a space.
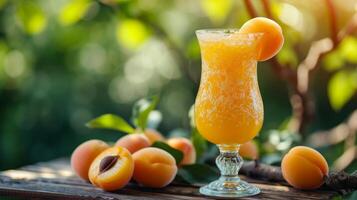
112, 169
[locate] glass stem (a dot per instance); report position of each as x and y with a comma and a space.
229, 184
229, 162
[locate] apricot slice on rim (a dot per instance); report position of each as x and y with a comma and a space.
272, 39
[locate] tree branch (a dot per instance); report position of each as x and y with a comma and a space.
346, 131
329, 137
250, 8
335, 135
284, 72
266, 6
314, 54
258, 170
349, 29
301, 102
333, 21
345, 159
341, 181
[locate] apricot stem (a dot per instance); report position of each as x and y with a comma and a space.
107, 163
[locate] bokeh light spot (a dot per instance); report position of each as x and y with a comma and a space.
216, 10
14, 64
291, 16
73, 11
132, 33
93, 58
31, 17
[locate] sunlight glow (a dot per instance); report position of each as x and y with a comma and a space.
73, 11
31, 17
14, 64
216, 10
122, 90
291, 16
92, 57
132, 33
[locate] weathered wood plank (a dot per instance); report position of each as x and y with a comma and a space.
268, 190
62, 164
36, 188
56, 180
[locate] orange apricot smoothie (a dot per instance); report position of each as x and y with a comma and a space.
229, 107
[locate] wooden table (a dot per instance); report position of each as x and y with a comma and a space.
55, 180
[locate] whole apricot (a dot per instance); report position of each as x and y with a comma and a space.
84, 154
133, 142
272, 38
112, 169
154, 167
249, 150
153, 135
304, 168
186, 147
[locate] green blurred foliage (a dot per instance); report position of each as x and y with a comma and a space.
73, 11
31, 16
341, 88
132, 33
64, 62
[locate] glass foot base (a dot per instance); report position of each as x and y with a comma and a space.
229, 187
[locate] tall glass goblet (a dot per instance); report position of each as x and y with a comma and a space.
229, 108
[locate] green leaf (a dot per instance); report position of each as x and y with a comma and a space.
351, 196
111, 121
284, 124
199, 142
348, 49
142, 109
333, 61
193, 49
178, 155
341, 88
198, 173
